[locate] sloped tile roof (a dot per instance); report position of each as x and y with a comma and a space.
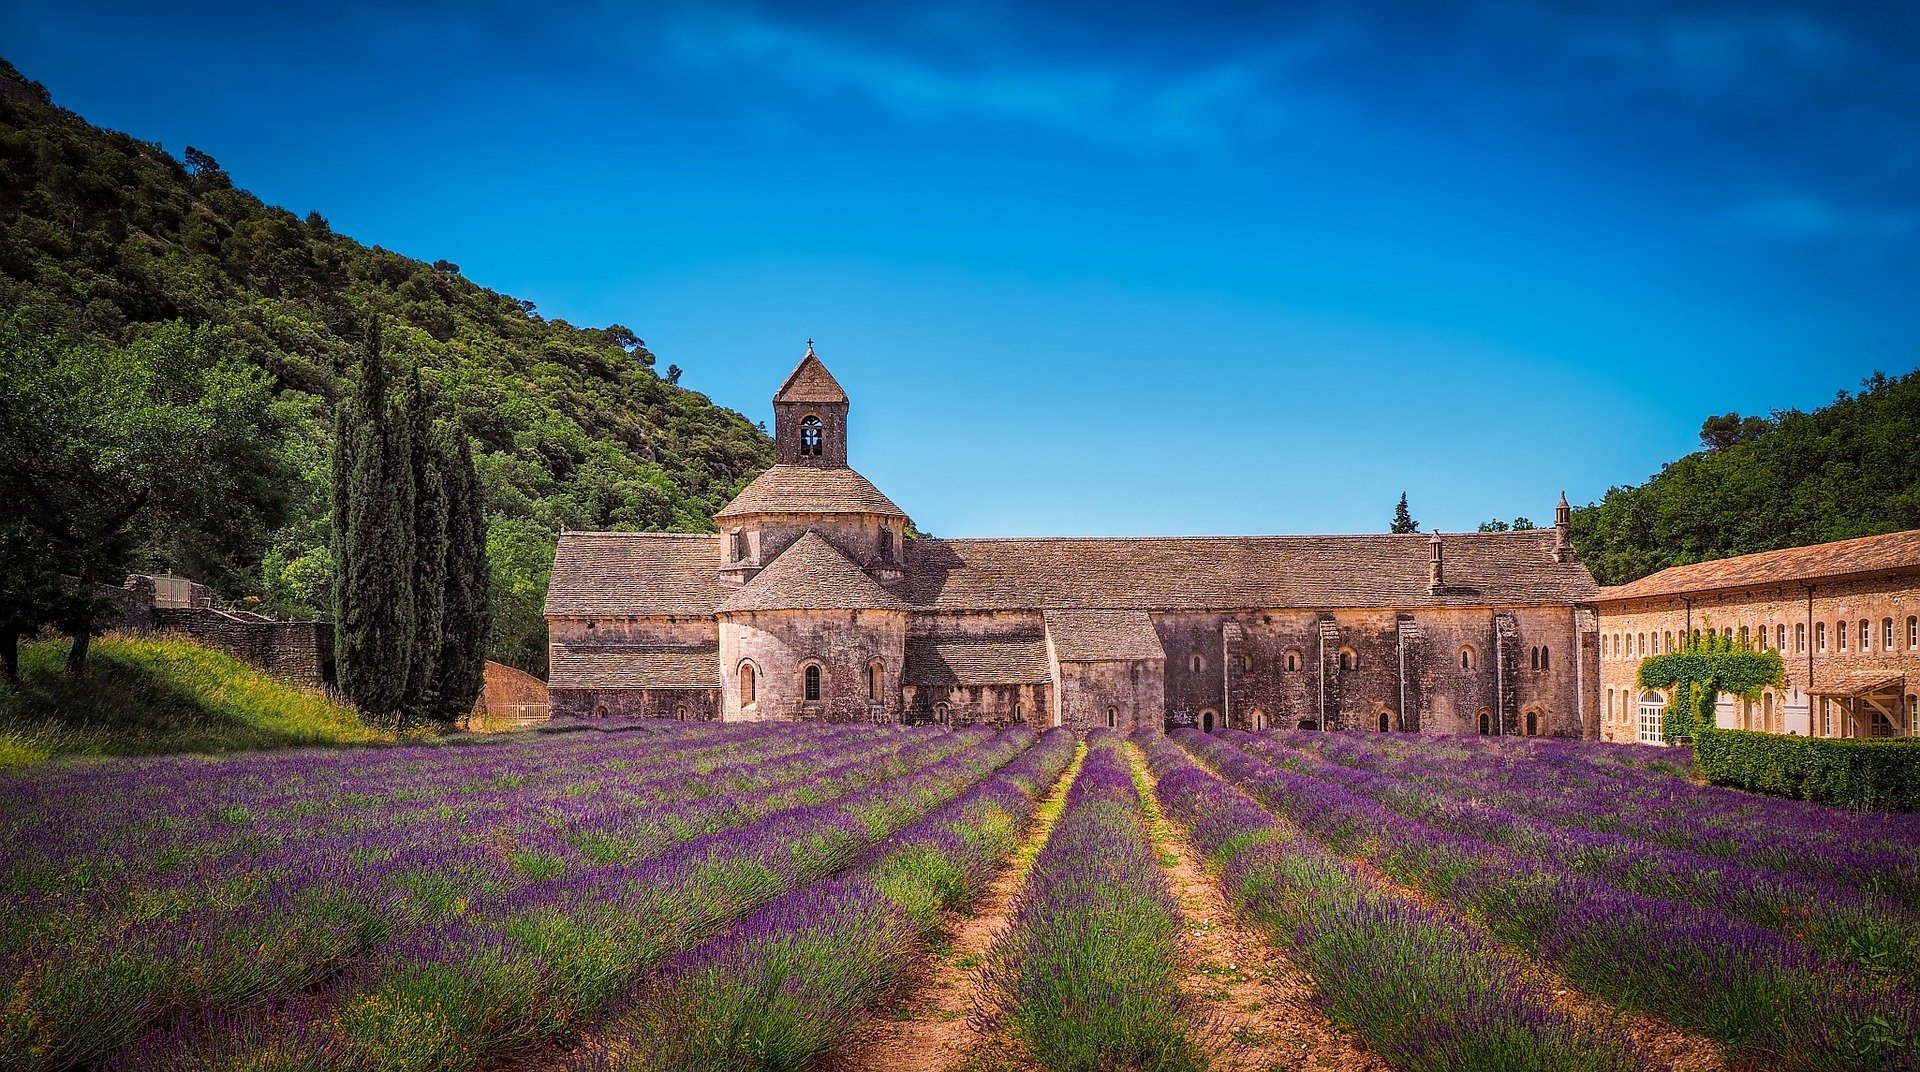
809, 489
612, 574
634, 668
1876, 682
810, 382
1009, 660
812, 574
1227, 572
1095, 636
1865, 554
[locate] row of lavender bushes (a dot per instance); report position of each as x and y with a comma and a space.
1879, 933
1566, 783
1422, 988
207, 918
530, 966
337, 866
1087, 976
1767, 998
791, 981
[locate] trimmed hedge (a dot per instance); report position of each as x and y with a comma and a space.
1865, 775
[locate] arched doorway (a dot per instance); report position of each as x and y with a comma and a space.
1258, 719
1386, 722
1486, 722
1533, 723
1206, 721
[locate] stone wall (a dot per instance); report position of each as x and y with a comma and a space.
1123, 695
843, 644
1630, 630
297, 652
687, 705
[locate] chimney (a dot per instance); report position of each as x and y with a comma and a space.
1562, 538
1436, 573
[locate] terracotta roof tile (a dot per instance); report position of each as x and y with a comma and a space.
812, 574
612, 574
1866, 554
810, 382
1008, 660
809, 489
634, 668
1096, 636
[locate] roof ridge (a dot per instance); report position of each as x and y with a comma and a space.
1196, 537
775, 583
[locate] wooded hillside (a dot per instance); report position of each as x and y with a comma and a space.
1850, 468
105, 239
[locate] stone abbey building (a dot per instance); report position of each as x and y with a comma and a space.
812, 603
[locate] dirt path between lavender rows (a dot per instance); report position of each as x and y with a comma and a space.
930, 1030
1259, 1003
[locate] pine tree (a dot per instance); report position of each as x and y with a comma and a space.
429, 528
466, 618
373, 533
1403, 521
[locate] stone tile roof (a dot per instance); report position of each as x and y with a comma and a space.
634, 668
810, 382
1227, 572
809, 489
614, 574
1865, 554
961, 660
1095, 636
812, 574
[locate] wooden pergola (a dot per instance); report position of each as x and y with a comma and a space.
1860, 695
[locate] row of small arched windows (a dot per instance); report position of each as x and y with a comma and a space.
1888, 638
812, 676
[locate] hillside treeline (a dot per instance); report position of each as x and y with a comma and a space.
106, 240
1850, 468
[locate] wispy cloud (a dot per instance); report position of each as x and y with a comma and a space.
1205, 106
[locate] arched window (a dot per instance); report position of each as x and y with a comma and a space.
1766, 712
1113, 718
876, 679
1349, 660
680, 712
1743, 638
1820, 636
1533, 723
1546, 658
1866, 635
1913, 631
810, 436
1206, 721
1197, 663
1466, 658
1651, 721
1886, 634
886, 544
736, 545
942, 713
1244, 664
1780, 636
747, 684
1840, 633
1667, 643
1533, 658
1259, 719
1486, 722
1019, 714
1386, 722
810, 682
1293, 660
1800, 636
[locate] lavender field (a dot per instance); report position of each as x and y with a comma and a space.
674, 896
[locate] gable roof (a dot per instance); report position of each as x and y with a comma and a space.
811, 574
1864, 554
614, 574
1099, 636
634, 668
809, 489
968, 660
811, 382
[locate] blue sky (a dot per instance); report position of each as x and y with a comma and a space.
1116, 268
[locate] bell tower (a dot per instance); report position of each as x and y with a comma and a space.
810, 417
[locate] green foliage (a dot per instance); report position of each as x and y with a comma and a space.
373, 521
1403, 521
1699, 672
465, 614
1859, 774
160, 694
104, 239
1518, 524
1846, 469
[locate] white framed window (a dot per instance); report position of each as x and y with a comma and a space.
1651, 719
1820, 636
1780, 633
1866, 635
1886, 634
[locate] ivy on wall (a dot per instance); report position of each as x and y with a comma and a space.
1708, 665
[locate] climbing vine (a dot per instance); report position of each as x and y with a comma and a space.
1700, 671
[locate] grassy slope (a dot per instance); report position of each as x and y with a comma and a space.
149, 695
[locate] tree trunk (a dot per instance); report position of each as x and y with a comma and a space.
77, 655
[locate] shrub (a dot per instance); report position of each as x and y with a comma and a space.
1859, 774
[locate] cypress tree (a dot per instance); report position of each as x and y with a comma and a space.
429, 524
466, 616
1403, 521
373, 537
